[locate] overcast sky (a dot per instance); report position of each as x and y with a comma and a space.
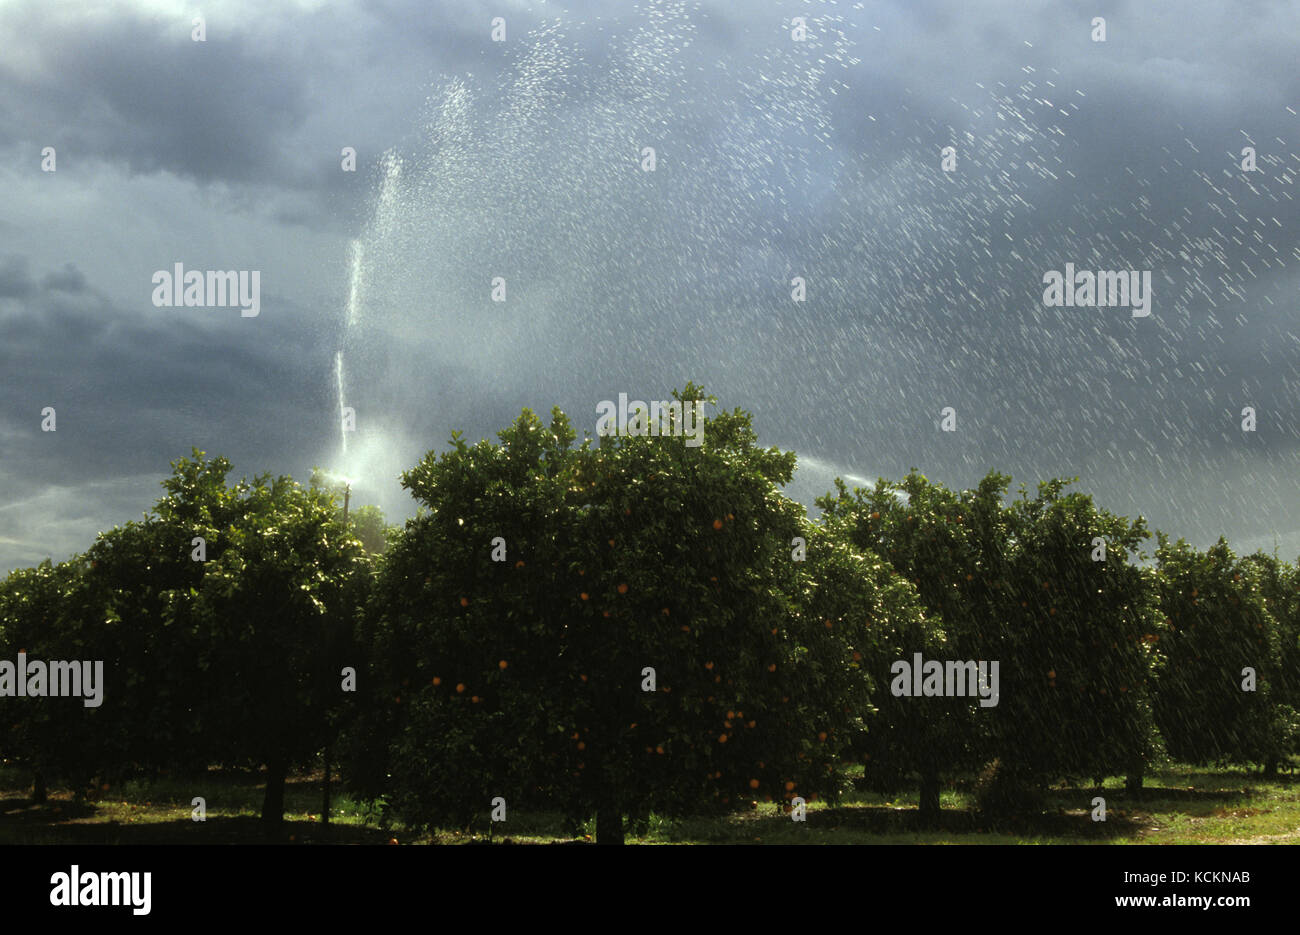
776, 158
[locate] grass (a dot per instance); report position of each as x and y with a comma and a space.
1180, 805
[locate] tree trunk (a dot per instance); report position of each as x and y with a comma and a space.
273, 799
39, 793
1133, 782
929, 805
609, 825
638, 823
1270, 768
325, 805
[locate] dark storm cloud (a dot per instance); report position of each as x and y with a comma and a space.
138, 90
133, 393
270, 98
15, 282
68, 279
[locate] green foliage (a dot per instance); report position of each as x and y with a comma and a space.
1217, 608
234, 659
638, 553
1016, 584
920, 528
1078, 644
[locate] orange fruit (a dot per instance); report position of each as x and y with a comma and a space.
722, 738
708, 665
583, 677
717, 524
436, 680
753, 784
474, 699
665, 612
502, 664
1051, 673
584, 595
772, 667
519, 564
611, 543
460, 687
659, 749
464, 602
822, 736
582, 745
731, 516
622, 589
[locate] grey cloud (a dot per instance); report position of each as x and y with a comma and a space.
15, 282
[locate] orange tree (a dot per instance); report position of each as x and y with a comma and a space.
1219, 626
123, 604
949, 545
1079, 625
274, 617
1017, 584
137, 595
54, 737
638, 559
232, 659
1279, 584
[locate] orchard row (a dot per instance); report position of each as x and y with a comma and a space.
635, 624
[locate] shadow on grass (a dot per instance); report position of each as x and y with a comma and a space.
1075, 824
70, 822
